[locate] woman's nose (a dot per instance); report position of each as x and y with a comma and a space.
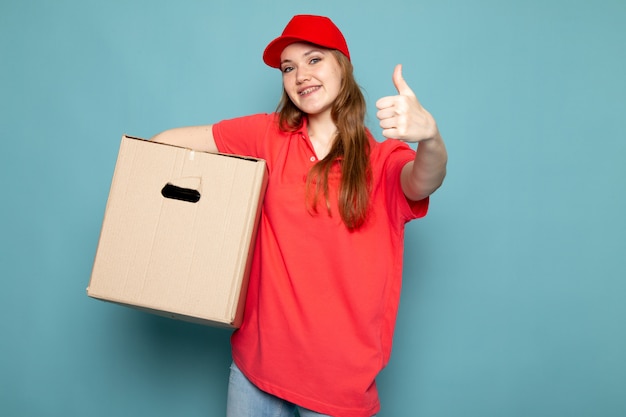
302, 75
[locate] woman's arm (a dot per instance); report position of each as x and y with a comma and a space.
199, 138
422, 176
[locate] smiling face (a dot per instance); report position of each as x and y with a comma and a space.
311, 77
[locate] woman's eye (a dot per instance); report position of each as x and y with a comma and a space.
315, 60
287, 69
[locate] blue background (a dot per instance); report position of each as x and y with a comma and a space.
514, 299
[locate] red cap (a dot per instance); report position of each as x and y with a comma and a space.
318, 30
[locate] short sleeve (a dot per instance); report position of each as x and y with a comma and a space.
243, 135
392, 156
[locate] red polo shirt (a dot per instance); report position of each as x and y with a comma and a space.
322, 300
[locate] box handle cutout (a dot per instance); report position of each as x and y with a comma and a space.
179, 193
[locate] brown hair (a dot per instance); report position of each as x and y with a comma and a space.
351, 148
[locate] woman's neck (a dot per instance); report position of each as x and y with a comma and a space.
322, 132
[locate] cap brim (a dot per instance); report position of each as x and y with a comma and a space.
271, 55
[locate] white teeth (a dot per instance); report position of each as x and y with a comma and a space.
308, 90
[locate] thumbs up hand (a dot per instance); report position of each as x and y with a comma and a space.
402, 116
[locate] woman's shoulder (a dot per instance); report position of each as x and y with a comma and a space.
256, 118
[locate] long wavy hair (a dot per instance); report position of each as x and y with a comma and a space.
351, 148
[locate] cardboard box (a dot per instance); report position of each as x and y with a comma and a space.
178, 232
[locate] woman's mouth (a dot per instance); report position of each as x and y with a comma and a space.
308, 90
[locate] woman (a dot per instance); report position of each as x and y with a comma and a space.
326, 276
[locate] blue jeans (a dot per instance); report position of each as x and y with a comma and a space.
246, 400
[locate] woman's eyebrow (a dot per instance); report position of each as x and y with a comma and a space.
307, 53
313, 51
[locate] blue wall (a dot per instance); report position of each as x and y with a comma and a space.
514, 301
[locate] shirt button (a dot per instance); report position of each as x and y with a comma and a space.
312, 159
